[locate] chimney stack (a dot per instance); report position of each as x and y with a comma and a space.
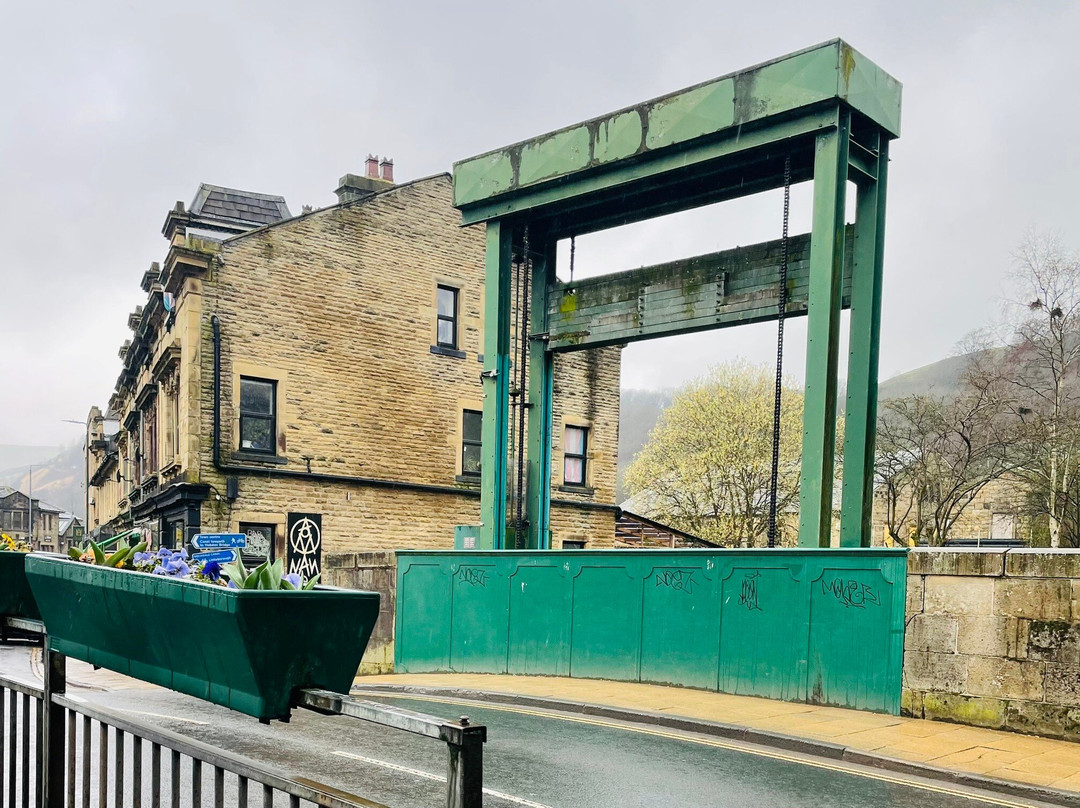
377, 177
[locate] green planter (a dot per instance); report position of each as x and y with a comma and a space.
16, 599
244, 649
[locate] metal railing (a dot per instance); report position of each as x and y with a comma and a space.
85, 756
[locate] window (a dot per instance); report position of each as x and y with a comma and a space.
471, 430
573, 544
257, 427
447, 300
260, 543
150, 438
575, 446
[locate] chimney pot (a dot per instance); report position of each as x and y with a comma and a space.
386, 169
372, 166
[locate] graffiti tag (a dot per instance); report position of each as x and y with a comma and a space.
850, 592
748, 597
679, 580
474, 576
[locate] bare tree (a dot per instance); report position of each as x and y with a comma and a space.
940, 453
1041, 365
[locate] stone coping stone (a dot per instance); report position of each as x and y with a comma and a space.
1017, 562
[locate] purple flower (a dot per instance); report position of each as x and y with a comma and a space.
232, 585
143, 558
160, 570
212, 570
294, 579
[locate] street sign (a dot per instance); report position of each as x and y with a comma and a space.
220, 556
216, 541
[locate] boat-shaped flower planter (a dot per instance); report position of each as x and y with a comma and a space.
248, 650
16, 599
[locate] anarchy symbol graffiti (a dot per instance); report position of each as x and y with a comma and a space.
305, 544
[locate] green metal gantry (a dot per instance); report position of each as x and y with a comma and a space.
832, 112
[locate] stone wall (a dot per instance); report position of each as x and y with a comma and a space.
374, 572
993, 639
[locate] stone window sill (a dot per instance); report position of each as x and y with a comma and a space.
471, 480
259, 457
439, 350
577, 489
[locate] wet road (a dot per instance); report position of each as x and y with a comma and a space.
537, 758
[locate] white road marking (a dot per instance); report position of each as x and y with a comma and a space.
439, 779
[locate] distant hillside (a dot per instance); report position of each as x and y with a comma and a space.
639, 411
58, 480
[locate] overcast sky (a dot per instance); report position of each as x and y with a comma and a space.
113, 112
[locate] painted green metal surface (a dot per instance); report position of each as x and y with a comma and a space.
817, 625
832, 71
823, 336
541, 383
718, 290
496, 378
16, 599
860, 427
243, 649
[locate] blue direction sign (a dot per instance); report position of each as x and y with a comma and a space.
220, 556
217, 541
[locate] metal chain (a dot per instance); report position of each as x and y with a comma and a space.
779, 355
523, 359
573, 244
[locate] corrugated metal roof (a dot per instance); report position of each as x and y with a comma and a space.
232, 205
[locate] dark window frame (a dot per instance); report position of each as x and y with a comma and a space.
273, 539
465, 441
583, 456
440, 318
259, 416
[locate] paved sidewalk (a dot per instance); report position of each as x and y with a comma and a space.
991, 753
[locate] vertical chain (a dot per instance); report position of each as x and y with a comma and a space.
573, 245
779, 354
523, 360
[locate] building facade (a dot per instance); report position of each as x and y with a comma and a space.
314, 382
18, 511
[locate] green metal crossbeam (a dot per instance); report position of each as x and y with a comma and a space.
718, 290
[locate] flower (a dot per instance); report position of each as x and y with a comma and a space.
294, 579
212, 570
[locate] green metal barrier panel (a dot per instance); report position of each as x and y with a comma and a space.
818, 625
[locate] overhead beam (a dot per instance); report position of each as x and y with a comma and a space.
721, 289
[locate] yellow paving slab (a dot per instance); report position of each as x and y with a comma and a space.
995, 753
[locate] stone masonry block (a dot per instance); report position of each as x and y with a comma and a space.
978, 711
1005, 678
1031, 562
339, 561
1063, 684
1075, 601
1037, 599
959, 561
1054, 641
931, 632
947, 594
914, 603
911, 705
1039, 718
925, 670
985, 636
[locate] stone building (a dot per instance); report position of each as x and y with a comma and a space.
18, 510
314, 382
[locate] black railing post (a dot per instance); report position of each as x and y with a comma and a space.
53, 746
465, 776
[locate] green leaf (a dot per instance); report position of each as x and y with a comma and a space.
99, 554
286, 585
273, 575
255, 578
311, 582
74, 552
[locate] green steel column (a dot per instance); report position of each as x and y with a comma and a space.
823, 334
496, 386
860, 427
541, 383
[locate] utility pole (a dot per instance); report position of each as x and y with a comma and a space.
30, 510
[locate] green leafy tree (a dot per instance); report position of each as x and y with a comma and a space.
706, 467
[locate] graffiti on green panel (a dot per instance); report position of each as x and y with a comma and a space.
824, 626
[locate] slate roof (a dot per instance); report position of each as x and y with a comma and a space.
214, 202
